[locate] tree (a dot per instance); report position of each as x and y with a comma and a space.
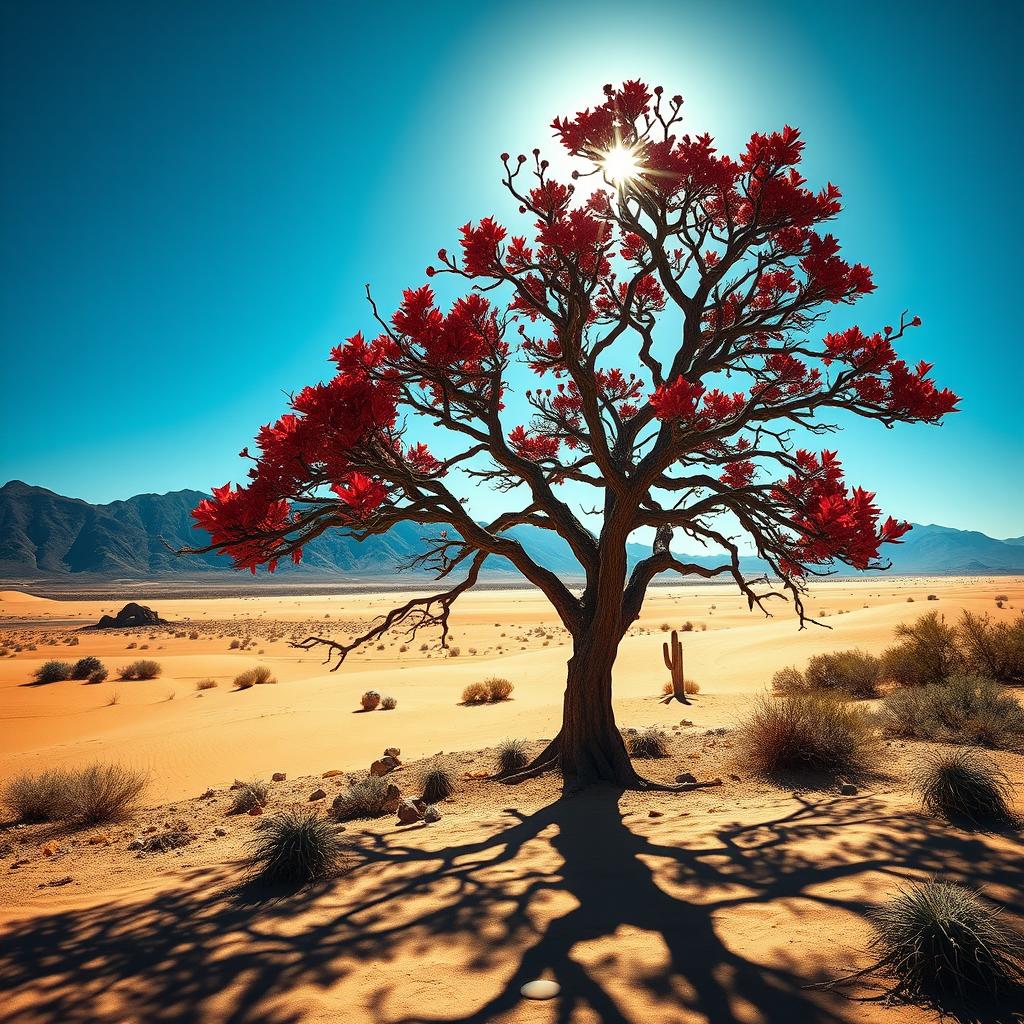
729, 245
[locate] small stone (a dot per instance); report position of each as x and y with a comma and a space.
431, 814
219, 832
50, 848
392, 751
540, 989
735, 778
383, 765
332, 773
317, 794
256, 810
848, 789
686, 777
408, 812
279, 777
654, 814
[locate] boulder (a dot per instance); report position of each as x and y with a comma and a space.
848, 789
317, 794
392, 751
384, 765
392, 799
409, 812
278, 777
686, 777
130, 616
431, 814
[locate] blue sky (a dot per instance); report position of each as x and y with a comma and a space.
194, 196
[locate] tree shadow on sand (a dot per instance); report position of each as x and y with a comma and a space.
505, 910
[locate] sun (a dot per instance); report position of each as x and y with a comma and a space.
620, 164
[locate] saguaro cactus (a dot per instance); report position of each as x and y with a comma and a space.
674, 663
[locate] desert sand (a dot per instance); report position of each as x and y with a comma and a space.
714, 905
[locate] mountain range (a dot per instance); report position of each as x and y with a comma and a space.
44, 535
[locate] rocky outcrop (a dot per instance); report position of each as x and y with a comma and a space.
130, 616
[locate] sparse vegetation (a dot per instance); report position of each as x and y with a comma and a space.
689, 685
490, 691
206, 684
510, 757
52, 672
367, 798
85, 667
258, 675
37, 797
927, 653
296, 847
388, 703
941, 941
475, 693
647, 743
144, 668
99, 675
964, 785
249, 796
993, 649
370, 700
810, 732
91, 795
970, 710
853, 672
437, 783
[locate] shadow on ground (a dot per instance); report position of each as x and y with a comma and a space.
631, 928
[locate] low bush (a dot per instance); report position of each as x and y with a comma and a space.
510, 757
388, 703
941, 941
38, 797
144, 668
370, 700
206, 684
853, 673
927, 652
813, 732
475, 693
92, 795
498, 689
99, 675
85, 667
259, 675
648, 743
964, 785
249, 796
296, 847
789, 680
970, 710
993, 649
437, 783
367, 798
689, 686
53, 672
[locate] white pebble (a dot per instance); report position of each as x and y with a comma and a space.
540, 989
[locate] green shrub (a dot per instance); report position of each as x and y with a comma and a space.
99, 675
853, 673
965, 709
296, 847
927, 653
437, 783
85, 667
249, 796
511, 757
813, 732
144, 668
53, 672
942, 941
647, 743
993, 649
964, 785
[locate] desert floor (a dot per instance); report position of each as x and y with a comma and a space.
715, 905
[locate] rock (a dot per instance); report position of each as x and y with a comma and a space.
384, 764
392, 799
686, 777
654, 814
735, 778
540, 989
317, 794
279, 777
431, 814
50, 848
392, 751
219, 832
256, 810
130, 615
332, 773
408, 812
848, 789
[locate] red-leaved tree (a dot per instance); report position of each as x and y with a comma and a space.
699, 435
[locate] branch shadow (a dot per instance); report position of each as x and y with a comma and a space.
521, 903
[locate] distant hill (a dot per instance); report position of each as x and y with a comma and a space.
47, 535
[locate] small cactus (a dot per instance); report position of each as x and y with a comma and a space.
674, 663
370, 700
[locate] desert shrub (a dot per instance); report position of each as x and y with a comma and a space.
296, 847
853, 673
38, 797
475, 693
144, 668
234, 645
454, 652
99, 675
364, 799
812, 731
970, 710
84, 667
993, 649
53, 672
388, 703
689, 686
206, 684
437, 783
510, 757
498, 689
686, 627
369, 700
1002, 597
943, 941
258, 675
665, 627
964, 785
789, 680
105, 792
250, 795
927, 653
648, 743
